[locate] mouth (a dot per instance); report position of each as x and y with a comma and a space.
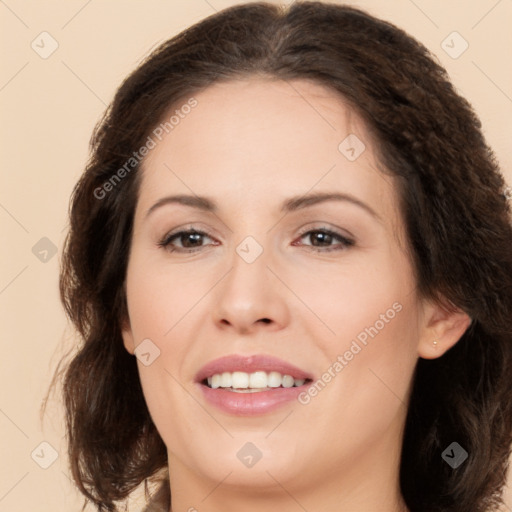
251, 385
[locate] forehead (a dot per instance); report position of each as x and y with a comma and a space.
261, 140
254, 119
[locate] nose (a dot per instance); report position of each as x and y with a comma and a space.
251, 297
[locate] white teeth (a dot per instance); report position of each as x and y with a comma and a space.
259, 380
215, 381
288, 381
240, 380
274, 379
225, 380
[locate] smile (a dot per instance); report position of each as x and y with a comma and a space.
241, 385
243, 382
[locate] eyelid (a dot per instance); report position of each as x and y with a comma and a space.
322, 226
191, 226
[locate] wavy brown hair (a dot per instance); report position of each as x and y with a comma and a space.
452, 199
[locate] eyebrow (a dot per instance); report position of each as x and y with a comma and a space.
290, 205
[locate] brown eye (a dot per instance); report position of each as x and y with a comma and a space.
190, 241
322, 240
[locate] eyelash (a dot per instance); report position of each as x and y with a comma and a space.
345, 242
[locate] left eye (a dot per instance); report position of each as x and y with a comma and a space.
326, 236
191, 240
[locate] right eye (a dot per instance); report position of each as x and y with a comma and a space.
189, 239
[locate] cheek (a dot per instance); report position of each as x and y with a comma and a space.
373, 313
377, 328
157, 298
357, 294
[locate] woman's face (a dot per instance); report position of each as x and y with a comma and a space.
266, 280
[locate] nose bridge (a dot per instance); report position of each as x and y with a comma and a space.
249, 273
248, 293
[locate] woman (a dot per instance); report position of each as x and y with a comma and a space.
290, 261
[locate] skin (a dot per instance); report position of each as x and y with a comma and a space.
249, 145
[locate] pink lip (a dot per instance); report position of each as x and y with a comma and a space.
248, 404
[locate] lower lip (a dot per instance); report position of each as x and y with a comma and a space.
250, 404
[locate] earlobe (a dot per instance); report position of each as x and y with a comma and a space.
442, 330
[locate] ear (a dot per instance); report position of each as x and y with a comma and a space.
127, 334
125, 324
444, 324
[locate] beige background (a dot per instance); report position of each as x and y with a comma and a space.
49, 107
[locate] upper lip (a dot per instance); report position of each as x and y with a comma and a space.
249, 364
